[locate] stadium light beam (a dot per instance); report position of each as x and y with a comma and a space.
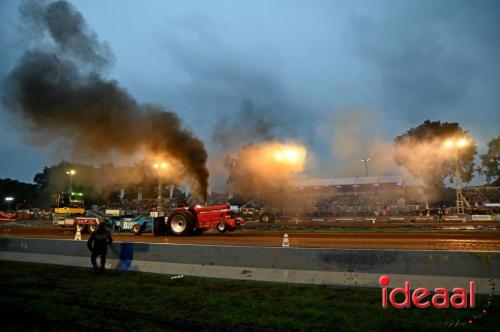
162, 165
459, 143
448, 144
462, 143
288, 155
291, 155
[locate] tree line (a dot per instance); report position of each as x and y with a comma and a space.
100, 184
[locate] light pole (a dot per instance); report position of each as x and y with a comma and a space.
456, 145
71, 172
366, 160
159, 166
9, 200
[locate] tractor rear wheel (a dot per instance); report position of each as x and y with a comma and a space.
180, 223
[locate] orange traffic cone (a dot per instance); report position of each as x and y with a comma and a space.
78, 234
285, 241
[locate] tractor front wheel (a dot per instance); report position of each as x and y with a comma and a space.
222, 227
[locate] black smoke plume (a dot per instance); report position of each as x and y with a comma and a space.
250, 124
58, 91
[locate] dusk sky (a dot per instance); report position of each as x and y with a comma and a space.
311, 69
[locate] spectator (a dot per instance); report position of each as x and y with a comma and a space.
440, 213
98, 246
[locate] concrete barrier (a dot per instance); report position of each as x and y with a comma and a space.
347, 267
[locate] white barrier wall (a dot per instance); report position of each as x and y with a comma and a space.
347, 267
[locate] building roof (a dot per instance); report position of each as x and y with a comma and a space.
347, 181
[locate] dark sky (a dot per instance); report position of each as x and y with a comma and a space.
303, 66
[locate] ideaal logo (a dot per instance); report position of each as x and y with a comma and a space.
420, 297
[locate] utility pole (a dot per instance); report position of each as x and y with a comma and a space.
458, 182
160, 167
366, 160
456, 145
71, 172
159, 193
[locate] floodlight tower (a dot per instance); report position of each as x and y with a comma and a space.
71, 172
456, 145
366, 160
9, 201
160, 167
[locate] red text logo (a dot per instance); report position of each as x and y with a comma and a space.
420, 297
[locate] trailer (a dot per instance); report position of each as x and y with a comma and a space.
121, 222
134, 224
86, 224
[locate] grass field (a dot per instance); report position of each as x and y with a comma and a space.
48, 297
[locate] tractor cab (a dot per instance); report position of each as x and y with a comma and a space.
68, 203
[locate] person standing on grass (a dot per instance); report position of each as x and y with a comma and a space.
98, 246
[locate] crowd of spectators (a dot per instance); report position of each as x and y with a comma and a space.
378, 202
145, 206
371, 203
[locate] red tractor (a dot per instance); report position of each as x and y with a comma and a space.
196, 219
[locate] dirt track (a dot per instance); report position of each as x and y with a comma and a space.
381, 239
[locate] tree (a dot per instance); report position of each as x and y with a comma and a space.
490, 161
421, 150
